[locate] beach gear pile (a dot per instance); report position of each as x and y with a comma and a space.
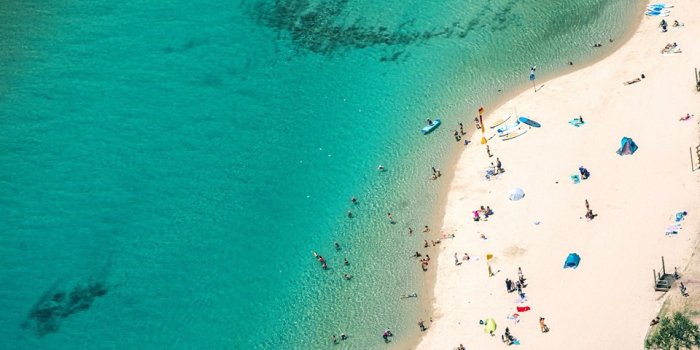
659, 9
676, 225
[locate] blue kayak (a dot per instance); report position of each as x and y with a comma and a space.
529, 122
431, 127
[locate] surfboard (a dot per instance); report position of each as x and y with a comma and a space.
514, 134
499, 121
529, 122
431, 127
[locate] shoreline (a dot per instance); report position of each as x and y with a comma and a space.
428, 304
642, 29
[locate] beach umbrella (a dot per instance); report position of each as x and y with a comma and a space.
490, 325
516, 194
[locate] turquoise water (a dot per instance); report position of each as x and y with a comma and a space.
168, 167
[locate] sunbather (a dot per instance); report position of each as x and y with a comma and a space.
686, 117
632, 81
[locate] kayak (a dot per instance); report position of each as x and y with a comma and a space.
529, 122
499, 121
431, 127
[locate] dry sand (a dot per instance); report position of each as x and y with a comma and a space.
608, 301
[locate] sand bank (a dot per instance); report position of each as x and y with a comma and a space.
608, 300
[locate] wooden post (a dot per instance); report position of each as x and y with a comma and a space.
663, 266
692, 166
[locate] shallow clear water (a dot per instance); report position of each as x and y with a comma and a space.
168, 167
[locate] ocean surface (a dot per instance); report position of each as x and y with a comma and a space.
168, 167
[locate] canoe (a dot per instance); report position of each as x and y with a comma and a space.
431, 127
514, 134
499, 121
508, 128
529, 122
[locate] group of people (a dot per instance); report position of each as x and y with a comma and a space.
436, 173
334, 340
494, 169
324, 264
664, 25
486, 212
517, 285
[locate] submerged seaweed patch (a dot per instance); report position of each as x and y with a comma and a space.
56, 304
318, 27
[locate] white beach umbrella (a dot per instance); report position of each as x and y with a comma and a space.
516, 194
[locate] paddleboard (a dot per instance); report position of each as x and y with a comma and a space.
431, 127
529, 122
499, 121
514, 134
508, 128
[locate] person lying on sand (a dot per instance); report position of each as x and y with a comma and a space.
655, 321
629, 82
686, 117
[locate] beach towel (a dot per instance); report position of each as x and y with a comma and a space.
522, 308
576, 122
673, 229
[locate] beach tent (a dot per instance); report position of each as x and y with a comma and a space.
490, 326
627, 146
516, 194
572, 261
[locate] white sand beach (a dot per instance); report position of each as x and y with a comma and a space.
608, 301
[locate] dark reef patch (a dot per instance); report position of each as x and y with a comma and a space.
321, 27
58, 303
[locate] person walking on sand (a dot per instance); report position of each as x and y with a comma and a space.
488, 151
461, 128
456, 260
543, 326
421, 324
499, 169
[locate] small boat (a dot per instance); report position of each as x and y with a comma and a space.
499, 121
431, 127
529, 122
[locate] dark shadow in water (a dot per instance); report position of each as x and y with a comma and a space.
64, 299
320, 27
